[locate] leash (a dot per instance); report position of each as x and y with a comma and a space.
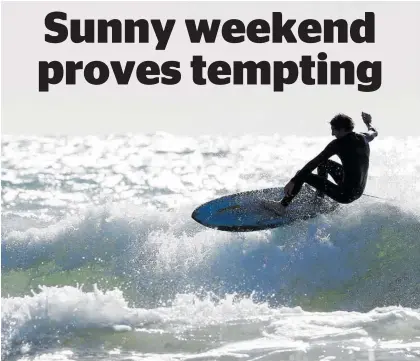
382, 199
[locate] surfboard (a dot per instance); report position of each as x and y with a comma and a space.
245, 211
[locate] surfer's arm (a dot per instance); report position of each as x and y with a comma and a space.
372, 133
327, 153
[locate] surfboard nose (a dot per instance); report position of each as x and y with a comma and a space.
195, 214
201, 213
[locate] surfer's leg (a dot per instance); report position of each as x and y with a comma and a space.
336, 171
321, 184
327, 187
332, 168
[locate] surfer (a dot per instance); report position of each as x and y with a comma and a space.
350, 177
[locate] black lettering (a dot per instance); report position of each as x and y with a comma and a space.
162, 34
309, 26
147, 68
322, 69
307, 64
375, 79
44, 74
217, 69
122, 76
60, 29
71, 68
143, 31
342, 30
76, 34
230, 27
255, 27
116, 30
279, 77
368, 24
251, 68
209, 32
103, 72
198, 64
280, 30
171, 72
336, 67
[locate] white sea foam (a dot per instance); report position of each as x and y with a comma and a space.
54, 313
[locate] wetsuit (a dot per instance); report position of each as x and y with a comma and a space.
350, 176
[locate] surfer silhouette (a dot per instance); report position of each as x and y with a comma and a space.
350, 177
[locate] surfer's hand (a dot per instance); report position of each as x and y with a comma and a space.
288, 189
367, 119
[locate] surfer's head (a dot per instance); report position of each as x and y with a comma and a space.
341, 125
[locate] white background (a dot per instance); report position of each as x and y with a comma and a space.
188, 109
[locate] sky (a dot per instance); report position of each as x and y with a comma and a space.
186, 108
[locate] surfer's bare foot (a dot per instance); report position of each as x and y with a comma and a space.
276, 207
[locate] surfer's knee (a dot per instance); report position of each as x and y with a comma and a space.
322, 169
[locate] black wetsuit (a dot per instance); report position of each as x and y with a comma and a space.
350, 177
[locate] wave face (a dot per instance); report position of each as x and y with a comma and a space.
100, 254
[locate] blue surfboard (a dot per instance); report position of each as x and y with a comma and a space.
245, 211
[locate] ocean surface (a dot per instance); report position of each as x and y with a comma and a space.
102, 261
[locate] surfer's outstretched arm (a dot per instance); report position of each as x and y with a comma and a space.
372, 133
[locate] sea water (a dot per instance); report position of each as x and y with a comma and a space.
102, 261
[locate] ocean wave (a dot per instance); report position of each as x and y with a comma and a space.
363, 256
70, 316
